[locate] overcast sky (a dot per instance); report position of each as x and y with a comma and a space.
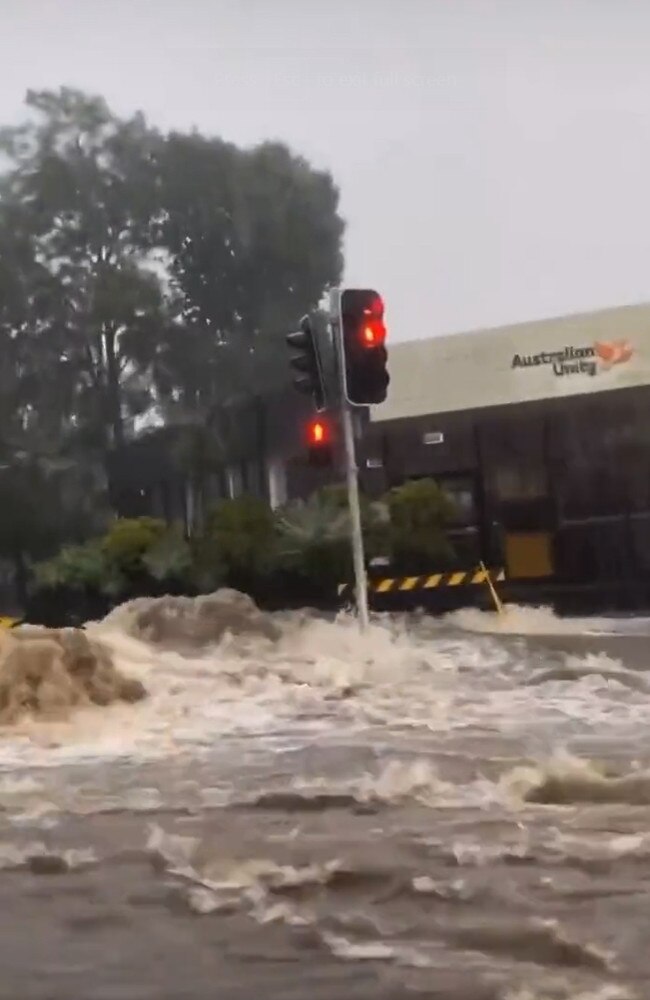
493, 155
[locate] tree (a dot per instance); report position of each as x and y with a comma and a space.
42, 504
254, 239
81, 189
110, 210
29, 319
420, 511
142, 271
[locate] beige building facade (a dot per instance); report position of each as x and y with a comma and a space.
545, 359
540, 432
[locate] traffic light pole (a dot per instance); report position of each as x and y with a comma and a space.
356, 533
351, 470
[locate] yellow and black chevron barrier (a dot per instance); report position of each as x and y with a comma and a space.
430, 581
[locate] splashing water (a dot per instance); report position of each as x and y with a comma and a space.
539, 621
325, 676
442, 800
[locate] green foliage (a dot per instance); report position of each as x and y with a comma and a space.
245, 543
334, 497
139, 272
80, 567
314, 535
81, 190
208, 572
28, 521
97, 213
255, 238
43, 503
128, 541
240, 536
132, 547
313, 540
419, 515
169, 557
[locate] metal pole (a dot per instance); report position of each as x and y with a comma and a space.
356, 534
351, 471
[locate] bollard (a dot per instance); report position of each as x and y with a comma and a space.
498, 603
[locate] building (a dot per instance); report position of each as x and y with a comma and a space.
175, 472
540, 431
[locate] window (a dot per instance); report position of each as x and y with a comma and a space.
461, 493
519, 482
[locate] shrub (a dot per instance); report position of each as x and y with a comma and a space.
128, 540
420, 512
314, 535
207, 572
80, 567
313, 540
169, 557
240, 538
131, 549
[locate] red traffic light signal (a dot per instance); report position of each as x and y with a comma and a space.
320, 442
318, 432
373, 333
373, 328
363, 336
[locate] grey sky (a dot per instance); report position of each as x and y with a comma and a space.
493, 155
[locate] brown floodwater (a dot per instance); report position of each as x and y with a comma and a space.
439, 809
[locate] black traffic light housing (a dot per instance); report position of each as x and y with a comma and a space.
363, 336
306, 362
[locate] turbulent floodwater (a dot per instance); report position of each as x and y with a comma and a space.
445, 809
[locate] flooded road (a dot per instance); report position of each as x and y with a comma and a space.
439, 809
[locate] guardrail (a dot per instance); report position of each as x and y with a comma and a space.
427, 581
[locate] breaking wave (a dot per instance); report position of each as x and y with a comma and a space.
216, 667
565, 780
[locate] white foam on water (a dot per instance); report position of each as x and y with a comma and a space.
519, 619
19, 855
321, 677
559, 991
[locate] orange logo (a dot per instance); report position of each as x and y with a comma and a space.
614, 352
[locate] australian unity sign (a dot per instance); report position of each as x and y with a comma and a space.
589, 360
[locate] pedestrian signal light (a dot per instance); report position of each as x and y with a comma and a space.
317, 432
319, 443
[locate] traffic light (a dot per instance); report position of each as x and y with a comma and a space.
320, 445
363, 335
306, 362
